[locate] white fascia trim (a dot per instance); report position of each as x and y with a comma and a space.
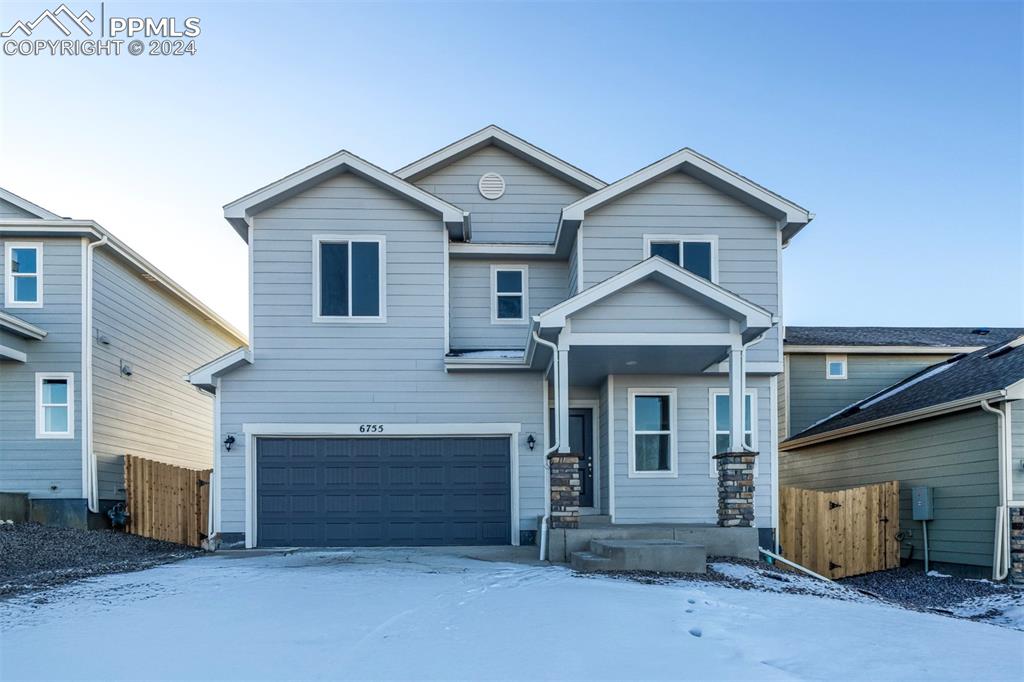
682, 239
673, 406
240, 210
755, 315
792, 213
12, 354
525, 271
712, 431
651, 339
904, 418
206, 376
881, 350
477, 250
382, 276
40, 420
455, 364
26, 205
9, 276
508, 141
20, 327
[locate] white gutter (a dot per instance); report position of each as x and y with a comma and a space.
92, 476
1001, 545
547, 467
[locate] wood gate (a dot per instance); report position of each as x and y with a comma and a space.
166, 502
840, 533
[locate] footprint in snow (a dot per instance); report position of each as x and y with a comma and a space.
696, 632
691, 601
689, 610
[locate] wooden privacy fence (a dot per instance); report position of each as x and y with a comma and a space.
166, 502
841, 532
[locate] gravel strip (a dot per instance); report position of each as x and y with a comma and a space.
914, 589
34, 557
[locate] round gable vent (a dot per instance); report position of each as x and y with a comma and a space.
492, 185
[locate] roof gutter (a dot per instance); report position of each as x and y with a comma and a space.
904, 418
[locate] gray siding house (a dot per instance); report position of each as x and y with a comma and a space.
953, 426
422, 339
94, 345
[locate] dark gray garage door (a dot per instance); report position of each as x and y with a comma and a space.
355, 492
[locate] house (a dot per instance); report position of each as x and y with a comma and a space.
94, 344
828, 368
425, 341
955, 426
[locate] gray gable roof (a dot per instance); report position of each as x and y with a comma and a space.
963, 376
954, 337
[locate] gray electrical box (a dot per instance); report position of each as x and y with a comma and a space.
921, 496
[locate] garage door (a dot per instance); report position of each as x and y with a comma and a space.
354, 492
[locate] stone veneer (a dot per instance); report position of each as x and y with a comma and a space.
565, 490
736, 488
1017, 545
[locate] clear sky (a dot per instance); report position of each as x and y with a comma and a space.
898, 124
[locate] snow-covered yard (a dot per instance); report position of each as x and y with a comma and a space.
372, 614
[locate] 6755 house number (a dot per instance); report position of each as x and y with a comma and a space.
371, 428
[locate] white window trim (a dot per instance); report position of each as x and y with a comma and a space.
40, 421
525, 270
9, 275
712, 432
829, 359
319, 239
673, 471
682, 239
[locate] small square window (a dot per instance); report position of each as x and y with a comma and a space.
23, 285
509, 300
835, 366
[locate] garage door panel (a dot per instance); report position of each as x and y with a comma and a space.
379, 491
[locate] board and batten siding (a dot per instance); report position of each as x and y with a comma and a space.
9, 211
677, 204
529, 210
955, 454
692, 497
50, 468
812, 397
154, 413
1017, 448
388, 373
470, 295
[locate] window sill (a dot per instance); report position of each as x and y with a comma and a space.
23, 304
349, 320
521, 322
653, 474
55, 436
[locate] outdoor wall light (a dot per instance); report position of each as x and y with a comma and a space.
531, 441
228, 442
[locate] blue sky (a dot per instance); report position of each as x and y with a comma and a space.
898, 124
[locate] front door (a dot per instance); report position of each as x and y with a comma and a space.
581, 442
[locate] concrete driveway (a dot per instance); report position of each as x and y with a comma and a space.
441, 614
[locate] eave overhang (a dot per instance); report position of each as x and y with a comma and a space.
19, 327
205, 377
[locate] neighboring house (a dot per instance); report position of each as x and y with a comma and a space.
955, 426
419, 336
94, 345
828, 368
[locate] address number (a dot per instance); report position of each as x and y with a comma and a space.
371, 428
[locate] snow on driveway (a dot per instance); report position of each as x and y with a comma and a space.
404, 614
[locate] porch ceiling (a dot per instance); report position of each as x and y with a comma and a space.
589, 365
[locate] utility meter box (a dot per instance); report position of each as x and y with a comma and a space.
921, 496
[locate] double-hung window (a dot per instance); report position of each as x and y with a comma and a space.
55, 405
348, 279
23, 282
509, 298
652, 433
697, 254
835, 366
721, 422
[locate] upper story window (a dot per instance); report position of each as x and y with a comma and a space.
652, 433
509, 298
55, 408
697, 253
348, 278
721, 422
835, 366
23, 281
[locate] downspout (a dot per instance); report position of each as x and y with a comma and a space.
757, 339
547, 467
1001, 545
93, 490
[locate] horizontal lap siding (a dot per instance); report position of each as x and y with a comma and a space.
812, 397
692, 497
361, 373
28, 464
9, 211
678, 204
154, 413
955, 454
527, 212
1017, 450
470, 296
650, 307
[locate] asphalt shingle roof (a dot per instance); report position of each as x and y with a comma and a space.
900, 336
963, 376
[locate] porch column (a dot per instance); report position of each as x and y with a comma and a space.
562, 402
737, 389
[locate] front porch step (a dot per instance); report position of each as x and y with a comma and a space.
662, 556
594, 520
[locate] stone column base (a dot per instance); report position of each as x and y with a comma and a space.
565, 490
1016, 575
735, 488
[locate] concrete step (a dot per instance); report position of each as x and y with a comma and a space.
594, 520
587, 562
663, 556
